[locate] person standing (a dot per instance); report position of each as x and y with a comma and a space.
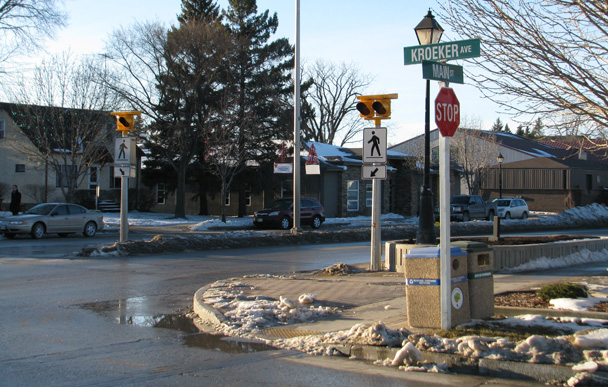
15, 201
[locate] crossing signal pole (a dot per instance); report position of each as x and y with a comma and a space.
376, 108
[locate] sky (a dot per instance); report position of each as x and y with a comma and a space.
370, 36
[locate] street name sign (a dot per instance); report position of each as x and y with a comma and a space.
371, 172
460, 49
442, 72
374, 145
447, 112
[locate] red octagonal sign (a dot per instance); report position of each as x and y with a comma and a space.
447, 112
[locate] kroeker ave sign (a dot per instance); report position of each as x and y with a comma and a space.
460, 49
447, 112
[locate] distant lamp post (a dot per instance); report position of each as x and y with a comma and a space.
428, 31
500, 158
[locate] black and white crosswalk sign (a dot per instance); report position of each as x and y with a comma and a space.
374, 145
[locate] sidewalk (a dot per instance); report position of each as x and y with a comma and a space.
360, 297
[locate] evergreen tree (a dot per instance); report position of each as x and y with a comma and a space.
537, 130
507, 129
497, 127
259, 80
207, 10
520, 130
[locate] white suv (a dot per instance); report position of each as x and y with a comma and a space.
511, 208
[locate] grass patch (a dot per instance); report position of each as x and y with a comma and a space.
494, 329
563, 290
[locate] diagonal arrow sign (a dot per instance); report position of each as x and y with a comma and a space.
373, 173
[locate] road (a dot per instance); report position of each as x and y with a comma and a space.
116, 321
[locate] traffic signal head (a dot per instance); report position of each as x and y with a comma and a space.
375, 107
365, 109
125, 121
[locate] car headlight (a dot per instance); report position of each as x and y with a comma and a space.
274, 213
457, 209
16, 222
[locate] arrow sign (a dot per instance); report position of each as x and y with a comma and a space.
460, 49
373, 172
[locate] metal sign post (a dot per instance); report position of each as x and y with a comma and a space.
445, 277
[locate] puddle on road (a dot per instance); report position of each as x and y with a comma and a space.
117, 310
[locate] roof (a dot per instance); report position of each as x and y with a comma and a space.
553, 163
30, 119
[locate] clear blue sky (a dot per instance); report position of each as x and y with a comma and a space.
370, 35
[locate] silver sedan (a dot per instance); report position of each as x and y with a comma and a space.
53, 218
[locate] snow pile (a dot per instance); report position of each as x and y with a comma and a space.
249, 315
583, 344
580, 257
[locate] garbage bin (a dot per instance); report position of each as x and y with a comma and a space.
423, 291
480, 264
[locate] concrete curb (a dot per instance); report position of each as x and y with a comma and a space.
205, 312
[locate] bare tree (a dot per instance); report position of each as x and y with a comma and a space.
474, 151
540, 57
63, 109
331, 101
226, 158
25, 23
173, 77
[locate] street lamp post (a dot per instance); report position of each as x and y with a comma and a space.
428, 31
500, 159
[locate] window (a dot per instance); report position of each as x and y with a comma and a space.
61, 179
93, 177
352, 196
368, 195
160, 194
227, 201
2, 130
19, 168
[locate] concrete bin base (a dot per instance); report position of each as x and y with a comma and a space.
423, 290
480, 264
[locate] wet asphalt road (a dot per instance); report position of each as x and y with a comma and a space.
117, 321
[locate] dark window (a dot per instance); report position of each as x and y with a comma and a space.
589, 180
76, 209
60, 210
2, 130
19, 168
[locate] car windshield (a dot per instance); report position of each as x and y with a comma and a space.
460, 200
503, 203
40, 209
280, 204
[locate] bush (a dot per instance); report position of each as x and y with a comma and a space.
564, 290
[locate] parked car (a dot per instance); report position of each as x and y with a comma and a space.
280, 213
511, 208
53, 218
466, 207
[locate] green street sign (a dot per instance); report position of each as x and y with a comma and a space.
460, 49
442, 72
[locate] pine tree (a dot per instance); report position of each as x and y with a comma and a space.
497, 127
507, 129
259, 79
199, 9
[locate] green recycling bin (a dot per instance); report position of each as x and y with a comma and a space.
480, 264
423, 290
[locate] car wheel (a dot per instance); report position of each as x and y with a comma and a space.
466, 217
285, 223
491, 215
37, 231
63, 234
316, 221
89, 229
508, 215
524, 215
10, 235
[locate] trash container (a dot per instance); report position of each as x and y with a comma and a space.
480, 264
423, 291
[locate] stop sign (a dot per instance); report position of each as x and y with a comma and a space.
447, 112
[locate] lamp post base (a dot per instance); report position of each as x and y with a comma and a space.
426, 221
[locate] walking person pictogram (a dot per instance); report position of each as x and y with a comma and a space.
375, 140
123, 148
